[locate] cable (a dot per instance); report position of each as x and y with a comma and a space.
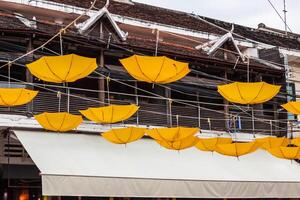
142, 110
178, 101
279, 15
52, 38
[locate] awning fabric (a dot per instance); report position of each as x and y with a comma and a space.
87, 165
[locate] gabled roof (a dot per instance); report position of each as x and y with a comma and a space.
103, 12
212, 46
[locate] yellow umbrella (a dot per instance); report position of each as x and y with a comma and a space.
124, 135
296, 142
237, 149
16, 96
158, 69
110, 114
292, 107
59, 69
210, 144
271, 142
248, 93
289, 153
171, 134
179, 145
61, 122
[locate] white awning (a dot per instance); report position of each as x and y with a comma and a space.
87, 165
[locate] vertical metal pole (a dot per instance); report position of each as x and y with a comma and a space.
168, 106
199, 111
61, 43
157, 41
226, 110
68, 98
253, 122
271, 127
101, 81
284, 14
107, 85
136, 101
248, 70
29, 78
170, 113
209, 123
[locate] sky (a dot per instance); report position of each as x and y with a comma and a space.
245, 12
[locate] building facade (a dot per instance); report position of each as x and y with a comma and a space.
217, 52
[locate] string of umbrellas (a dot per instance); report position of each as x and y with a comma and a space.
151, 69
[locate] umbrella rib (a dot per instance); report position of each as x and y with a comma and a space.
120, 141
131, 134
175, 75
160, 69
69, 68
52, 70
238, 89
282, 152
262, 85
2, 99
160, 135
112, 114
92, 113
63, 121
138, 64
102, 113
294, 108
20, 94
87, 69
74, 125
54, 129
203, 143
236, 153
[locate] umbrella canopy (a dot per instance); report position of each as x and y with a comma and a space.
124, 135
171, 134
61, 122
60, 69
110, 114
181, 144
210, 144
16, 96
237, 149
271, 142
292, 107
296, 142
248, 93
289, 153
158, 69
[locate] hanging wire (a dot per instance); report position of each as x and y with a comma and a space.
157, 42
248, 69
170, 112
9, 75
177, 101
141, 110
108, 90
59, 100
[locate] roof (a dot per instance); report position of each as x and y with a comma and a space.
138, 38
186, 20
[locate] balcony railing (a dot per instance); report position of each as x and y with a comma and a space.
158, 114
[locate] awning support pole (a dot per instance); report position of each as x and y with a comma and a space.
136, 101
